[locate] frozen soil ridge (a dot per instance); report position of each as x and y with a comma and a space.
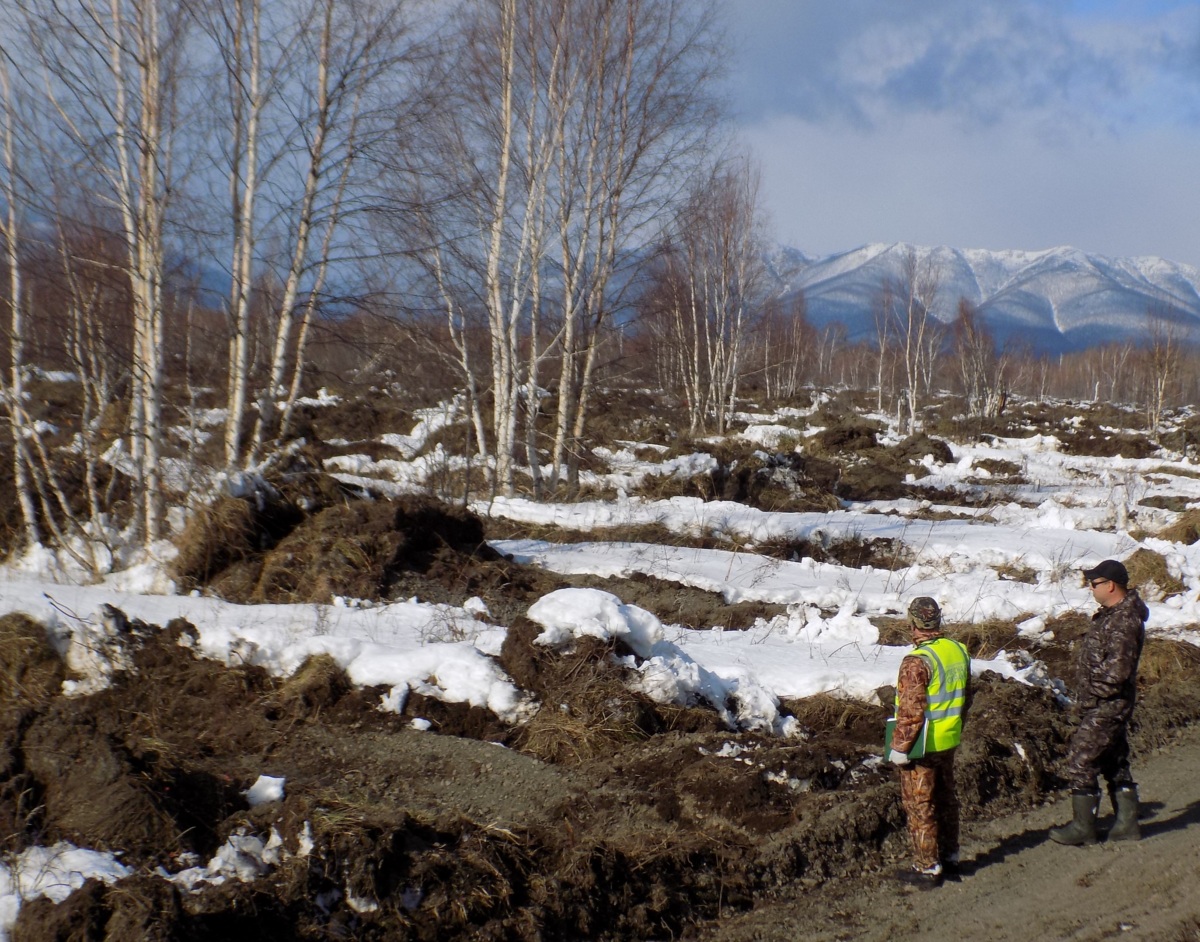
616, 818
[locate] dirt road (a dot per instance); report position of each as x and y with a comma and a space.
1021, 886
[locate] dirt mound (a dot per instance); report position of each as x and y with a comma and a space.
877, 552
1168, 691
357, 550
308, 540
783, 481
609, 816
228, 531
1015, 738
850, 434
916, 447
1089, 439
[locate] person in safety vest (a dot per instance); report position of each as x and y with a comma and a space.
931, 701
1105, 691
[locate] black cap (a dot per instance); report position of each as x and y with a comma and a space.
1108, 569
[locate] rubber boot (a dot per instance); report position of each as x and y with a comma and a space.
1125, 803
1082, 830
927, 879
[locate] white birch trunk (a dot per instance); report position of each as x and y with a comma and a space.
15, 394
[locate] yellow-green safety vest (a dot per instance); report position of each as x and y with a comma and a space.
946, 695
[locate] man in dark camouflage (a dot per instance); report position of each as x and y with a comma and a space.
927, 788
1105, 691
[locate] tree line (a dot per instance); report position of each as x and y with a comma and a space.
220, 204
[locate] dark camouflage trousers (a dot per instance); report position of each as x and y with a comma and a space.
1100, 746
931, 804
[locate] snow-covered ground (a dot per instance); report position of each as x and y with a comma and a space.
1068, 513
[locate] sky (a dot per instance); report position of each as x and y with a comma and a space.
992, 124
1070, 512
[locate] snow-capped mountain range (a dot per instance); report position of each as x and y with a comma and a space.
1056, 300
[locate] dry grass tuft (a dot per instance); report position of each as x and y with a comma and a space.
1013, 572
825, 712
216, 536
318, 683
984, 639
31, 671
1166, 660
1148, 572
1185, 530
594, 720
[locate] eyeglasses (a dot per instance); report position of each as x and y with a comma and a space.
1095, 582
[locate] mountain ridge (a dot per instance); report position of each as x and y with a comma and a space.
1055, 300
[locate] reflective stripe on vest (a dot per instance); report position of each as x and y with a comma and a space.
946, 694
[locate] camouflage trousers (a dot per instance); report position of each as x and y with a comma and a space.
931, 805
1100, 746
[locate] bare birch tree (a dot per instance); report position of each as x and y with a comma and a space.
1163, 358
14, 390
712, 283
288, 142
566, 130
882, 315
110, 77
913, 297
983, 370
637, 115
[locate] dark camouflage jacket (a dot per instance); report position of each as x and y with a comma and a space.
1108, 654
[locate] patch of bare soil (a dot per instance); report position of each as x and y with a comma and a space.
1089, 439
607, 816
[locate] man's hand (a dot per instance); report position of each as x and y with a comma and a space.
898, 758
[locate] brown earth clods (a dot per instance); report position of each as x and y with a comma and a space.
606, 816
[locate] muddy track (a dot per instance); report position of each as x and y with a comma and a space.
1019, 884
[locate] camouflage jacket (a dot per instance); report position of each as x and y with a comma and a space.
1108, 655
910, 690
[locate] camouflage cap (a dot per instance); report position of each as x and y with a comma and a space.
925, 613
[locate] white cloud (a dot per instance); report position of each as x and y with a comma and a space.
995, 124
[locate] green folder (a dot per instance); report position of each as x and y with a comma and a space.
918, 748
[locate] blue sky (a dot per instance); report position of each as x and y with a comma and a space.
996, 124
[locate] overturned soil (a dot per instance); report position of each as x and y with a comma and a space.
604, 816
607, 816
